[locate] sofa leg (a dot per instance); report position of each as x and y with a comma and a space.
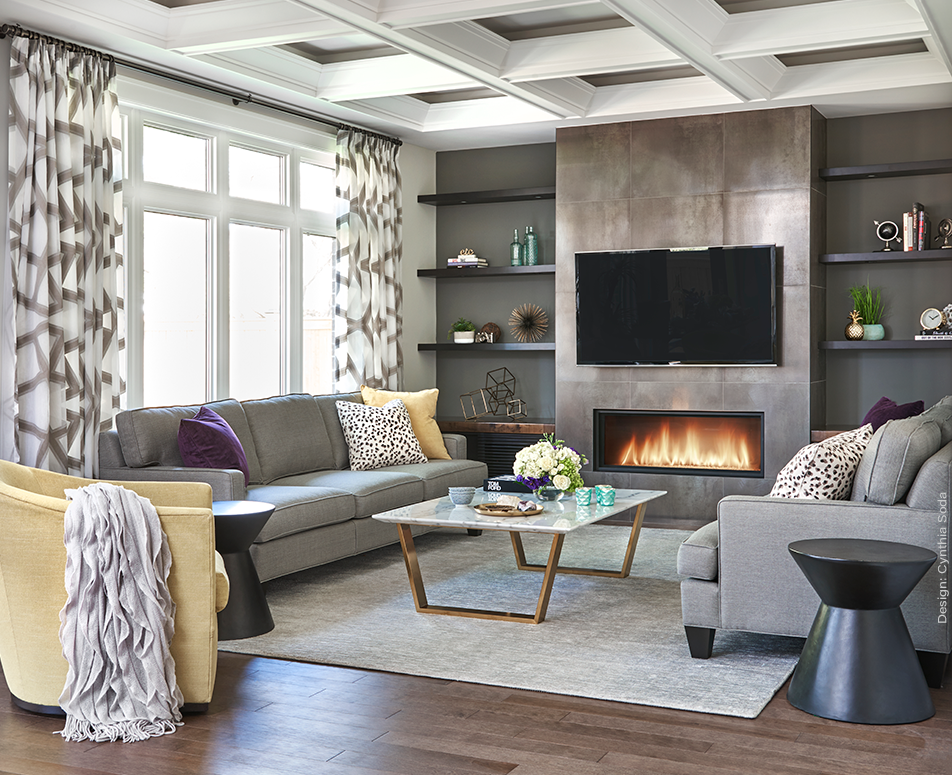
700, 641
474, 531
933, 666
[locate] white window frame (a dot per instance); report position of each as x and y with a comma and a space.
151, 102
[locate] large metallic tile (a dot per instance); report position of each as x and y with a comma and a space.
768, 149
688, 497
794, 333
677, 156
678, 374
680, 396
745, 485
593, 163
684, 221
582, 226
773, 217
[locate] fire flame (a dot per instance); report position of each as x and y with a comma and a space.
692, 448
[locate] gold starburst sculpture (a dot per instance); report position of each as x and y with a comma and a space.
528, 323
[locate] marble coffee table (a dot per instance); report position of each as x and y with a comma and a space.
557, 519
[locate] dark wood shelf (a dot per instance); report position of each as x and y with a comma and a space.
449, 346
888, 344
488, 271
496, 424
895, 170
488, 197
889, 256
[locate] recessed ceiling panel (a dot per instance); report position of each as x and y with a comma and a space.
554, 21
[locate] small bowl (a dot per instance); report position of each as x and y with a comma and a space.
462, 496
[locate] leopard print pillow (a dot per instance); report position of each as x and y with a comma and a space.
825, 470
379, 436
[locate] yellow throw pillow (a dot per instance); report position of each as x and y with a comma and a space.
422, 407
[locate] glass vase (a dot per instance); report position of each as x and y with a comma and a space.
549, 493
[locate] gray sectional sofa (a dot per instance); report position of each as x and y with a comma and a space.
739, 574
297, 460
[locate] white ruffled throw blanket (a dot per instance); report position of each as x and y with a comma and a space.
118, 620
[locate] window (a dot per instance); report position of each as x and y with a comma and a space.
230, 249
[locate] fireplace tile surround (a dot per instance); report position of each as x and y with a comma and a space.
737, 178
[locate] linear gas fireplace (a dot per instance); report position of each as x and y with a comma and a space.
676, 442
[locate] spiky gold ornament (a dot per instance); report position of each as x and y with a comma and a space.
855, 329
528, 323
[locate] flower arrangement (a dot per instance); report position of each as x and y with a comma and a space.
549, 462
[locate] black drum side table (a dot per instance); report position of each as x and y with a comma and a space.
237, 524
858, 663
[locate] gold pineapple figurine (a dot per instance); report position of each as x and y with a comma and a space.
854, 330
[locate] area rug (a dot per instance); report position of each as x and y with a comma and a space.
613, 639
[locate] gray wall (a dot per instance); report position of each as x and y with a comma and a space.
736, 178
488, 230
856, 380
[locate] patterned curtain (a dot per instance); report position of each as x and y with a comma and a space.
368, 289
65, 227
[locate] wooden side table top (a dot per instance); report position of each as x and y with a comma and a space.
495, 424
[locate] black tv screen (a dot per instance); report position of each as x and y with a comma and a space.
702, 306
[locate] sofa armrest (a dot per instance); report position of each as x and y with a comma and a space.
222, 583
763, 590
455, 445
228, 484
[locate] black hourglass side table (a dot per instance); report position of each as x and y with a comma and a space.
237, 524
858, 663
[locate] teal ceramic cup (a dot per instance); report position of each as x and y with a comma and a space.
605, 494
583, 496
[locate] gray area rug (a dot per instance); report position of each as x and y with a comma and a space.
613, 639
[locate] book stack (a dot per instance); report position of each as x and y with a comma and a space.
466, 259
944, 335
504, 483
916, 228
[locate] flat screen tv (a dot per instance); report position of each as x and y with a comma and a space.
691, 306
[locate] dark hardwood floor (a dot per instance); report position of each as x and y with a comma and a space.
270, 716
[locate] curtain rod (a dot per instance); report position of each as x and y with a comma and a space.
236, 97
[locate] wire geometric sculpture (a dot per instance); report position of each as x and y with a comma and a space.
515, 408
500, 387
475, 404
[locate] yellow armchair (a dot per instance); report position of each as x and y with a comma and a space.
33, 592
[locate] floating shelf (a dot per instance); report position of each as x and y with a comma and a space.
889, 256
888, 344
488, 271
896, 170
488, 197
449, 346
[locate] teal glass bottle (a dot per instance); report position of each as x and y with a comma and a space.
532, 247
515, 250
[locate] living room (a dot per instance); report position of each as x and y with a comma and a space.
642, 181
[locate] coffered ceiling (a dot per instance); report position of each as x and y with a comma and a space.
450, 74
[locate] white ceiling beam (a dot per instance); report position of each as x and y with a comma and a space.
585, 53
660, 97
465, 47
400, 14
228, 25
859, 75
271, 65
689, 28
823, 25
937, 15
384, 77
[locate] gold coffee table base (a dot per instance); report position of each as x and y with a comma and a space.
549, 570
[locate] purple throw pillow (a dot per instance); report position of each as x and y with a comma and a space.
886, 409
207, 441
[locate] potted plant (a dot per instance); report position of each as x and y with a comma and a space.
868, 302
462, 332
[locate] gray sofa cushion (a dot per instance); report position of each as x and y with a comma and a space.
328, 407
697, 556
374, 491
290, 436
149, 436
893, 458
297, 509
941, 414
930, 490
438, 475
